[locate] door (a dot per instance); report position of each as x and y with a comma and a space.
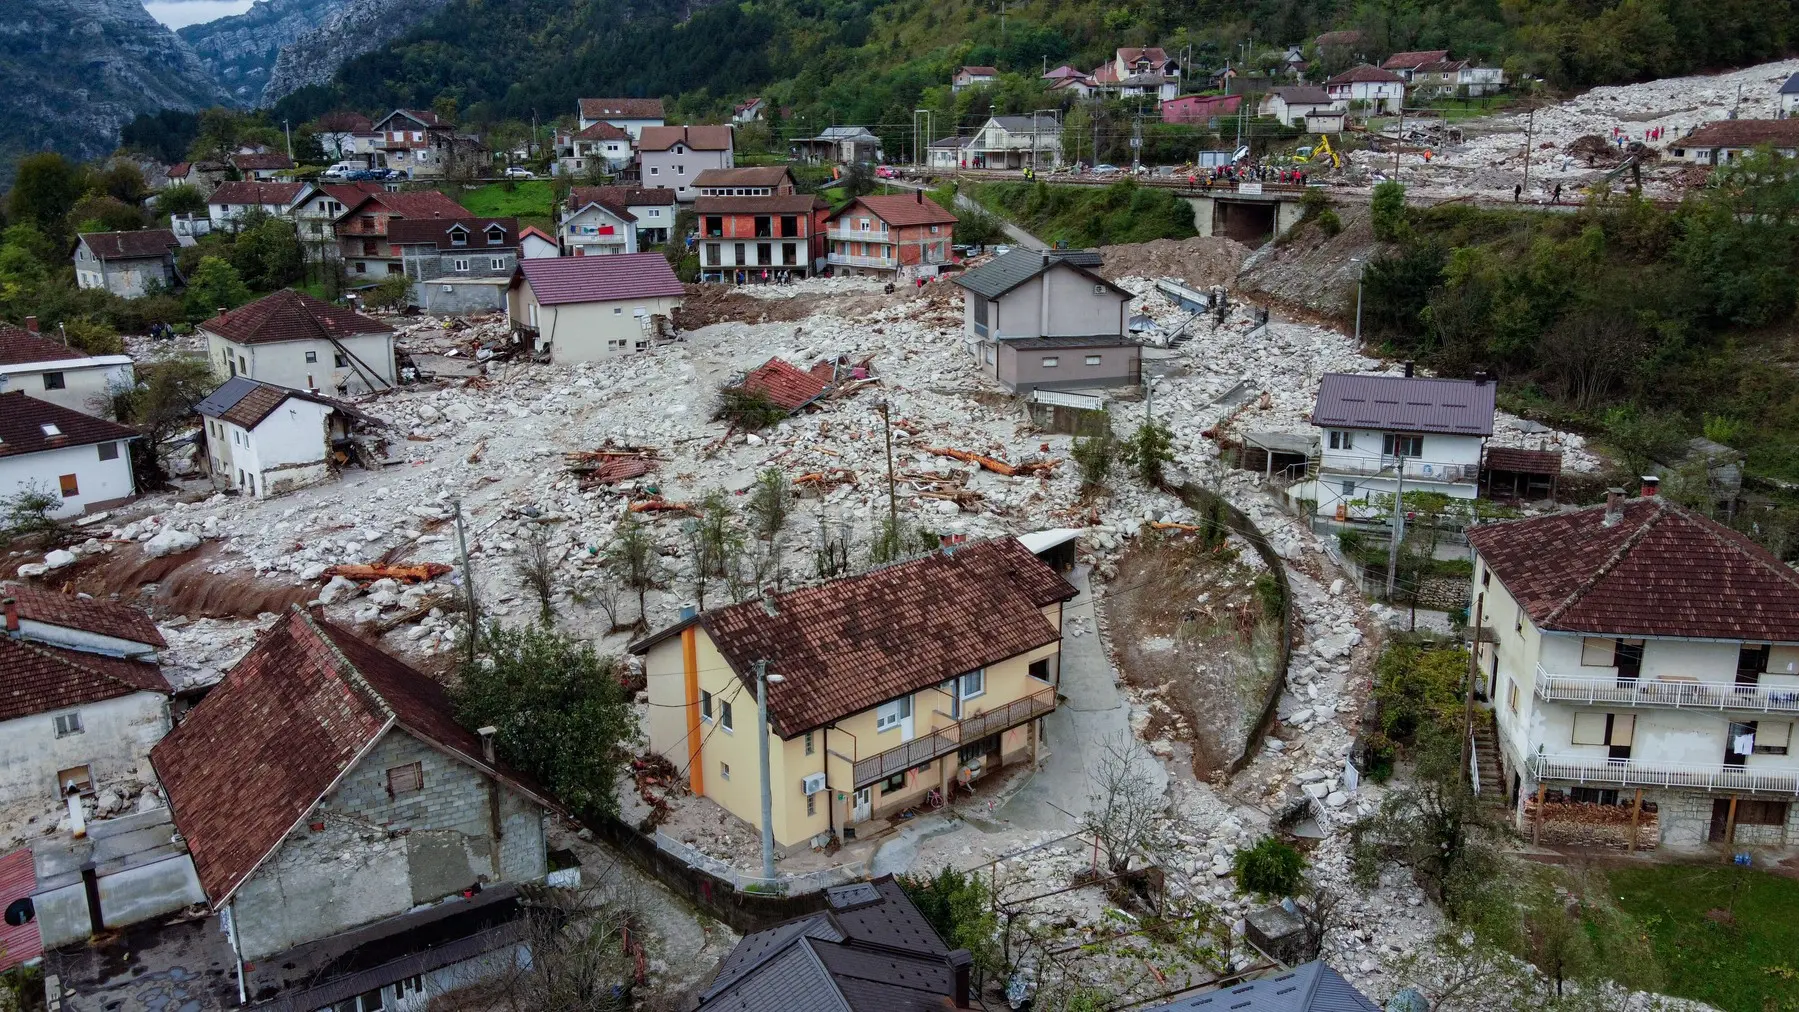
1620, 731
1752, 661
905, 709
863, 806
1738, 743
1629, 659
1720, 819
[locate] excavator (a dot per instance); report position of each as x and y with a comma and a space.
1321, 152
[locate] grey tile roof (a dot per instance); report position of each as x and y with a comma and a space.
1791, 87
1003, 273
1313, 987
1404, 404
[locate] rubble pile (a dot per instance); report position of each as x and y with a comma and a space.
1201, 262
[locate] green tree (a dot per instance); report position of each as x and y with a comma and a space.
561, 714
99, 212
1270, 868
160, 405
391, 292
957, 906
1148, 450
1095, 450
180, 198
1386, 211
215, 285
1428, 826
45, 188
770, 502
1414, 687
633, 558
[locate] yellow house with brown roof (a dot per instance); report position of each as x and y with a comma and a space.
893, 684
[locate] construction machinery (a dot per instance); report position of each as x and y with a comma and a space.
1320, 152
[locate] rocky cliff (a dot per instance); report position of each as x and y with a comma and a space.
240, 51
73, 71
354, 28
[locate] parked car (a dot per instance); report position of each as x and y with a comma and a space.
339, 170
518, 172
1104, 168
885, 172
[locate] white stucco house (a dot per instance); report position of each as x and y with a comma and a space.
231, 201
293, 340
1642, 657
1295, 103
52, 371
535, 244
1380, 428
1046, 319
264, 439
82, 697
631, 115
597, 228
48, 447
585, 309
1368, 88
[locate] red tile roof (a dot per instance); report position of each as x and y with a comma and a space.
621, 198
980, 71
351, 194
621, 108
1415, 59
149, 242
850, 644
22, 421
787, 386
602, 131
560, 280
1659, 571
35, 678
106, 618
1154, 54
288, 315
250, 192
415, 204
1365, 74
899, 210
272, 739
18, 881
1743, 133
698, 138
19, 346
264, 162
343, 121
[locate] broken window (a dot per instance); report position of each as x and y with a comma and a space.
53, 381
407, 779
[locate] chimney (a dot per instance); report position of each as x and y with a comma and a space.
1614, 507
31, 324
1651, 485
12, 616
222, 312
919, 194
487, 734
959, 963
1408, 370
1480, 378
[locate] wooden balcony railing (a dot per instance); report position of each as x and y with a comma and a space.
944, 740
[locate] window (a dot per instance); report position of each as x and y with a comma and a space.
712, 254
1051, 361
724, 714
724, 771
618, 310
894, 783
808, 742
705, 705
654, 171
67, 724
407, 779
1593, 795
935, 229
458, 237
50, 429
1341, 440
109, 451
70, 487
1040, 670
655, 212
311, 357
361, 268
414, 984
680, 170
973, 684
1349, 490
1395, 445
340, 360
53, 381
1761, 813
811, 804
496, 264
1596, 653
1093, 359
1604, 729
462, 265
496, 236
1486, 576
1511, 695
889, 715
1773, 737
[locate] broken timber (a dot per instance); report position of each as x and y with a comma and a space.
997, 466
419, 573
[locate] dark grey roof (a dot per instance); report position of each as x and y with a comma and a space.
1404, 404
1313, 987
226, 397
1791, 87
1301, 95
1045, 343
871, 952
1000, 275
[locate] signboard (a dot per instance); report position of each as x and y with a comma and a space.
1063, 399
1249, 187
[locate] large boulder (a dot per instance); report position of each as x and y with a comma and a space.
337, 590
171, 542
58, 558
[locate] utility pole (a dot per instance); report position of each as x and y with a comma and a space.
289, 130
892, 497
1361, 270
1530, 124
1399, 138
1398, 519
1137, 139
768, 797
468, 578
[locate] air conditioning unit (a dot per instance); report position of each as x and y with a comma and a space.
449, 288
813, 784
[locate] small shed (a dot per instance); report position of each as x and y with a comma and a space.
1055, 547
1512, 473
1275, 453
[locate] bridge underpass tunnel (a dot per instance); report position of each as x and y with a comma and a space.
1249, 222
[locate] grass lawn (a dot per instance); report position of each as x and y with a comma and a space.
1751, 965
529, 201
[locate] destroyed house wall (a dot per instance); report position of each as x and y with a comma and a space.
379, 855
288, 449
115, 737
285, 363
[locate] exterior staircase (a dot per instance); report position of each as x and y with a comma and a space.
1490, 779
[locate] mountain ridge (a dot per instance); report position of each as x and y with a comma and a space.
240, 50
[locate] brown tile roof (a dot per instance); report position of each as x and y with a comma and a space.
107, 618
1659, 571
1365, 74
620, 198
698, 138
22, 421
749, 175
980, 71
408, 231
1507, 458
265, 162
343, 121
1154, 54
1343, 38
602, 131
270, 741
786, 385
788, 203
19, 346
900, 210
853, 643
415, 204
35, 678
288, 315
1414, 59
148, 242
246, 402
621, 108
251, 192
1742, 133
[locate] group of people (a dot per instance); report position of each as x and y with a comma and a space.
1252, 174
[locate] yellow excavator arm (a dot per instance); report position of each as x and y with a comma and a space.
1324, 148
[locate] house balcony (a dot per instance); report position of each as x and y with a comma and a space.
1386, 466
1597, 769
944, 740
1683, 693
847, 235
846, 260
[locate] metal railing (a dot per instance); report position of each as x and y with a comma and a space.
1386, 465
1612, 690
1595, 769
944, 740
851, 235
856, 261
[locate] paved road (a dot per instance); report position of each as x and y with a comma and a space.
1018, 235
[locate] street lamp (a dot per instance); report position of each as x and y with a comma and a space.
763, 677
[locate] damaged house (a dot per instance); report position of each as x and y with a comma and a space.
293, 340
354, 842
457, 265
1047, 319
590, 308
263, 439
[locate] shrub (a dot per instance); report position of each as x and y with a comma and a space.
1387, 209
1270, 868
1414, 687
390, 292
1329, 223
1313, 202
1151, 447
747, 409
1095, 450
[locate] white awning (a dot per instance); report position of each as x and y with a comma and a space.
1038, 542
